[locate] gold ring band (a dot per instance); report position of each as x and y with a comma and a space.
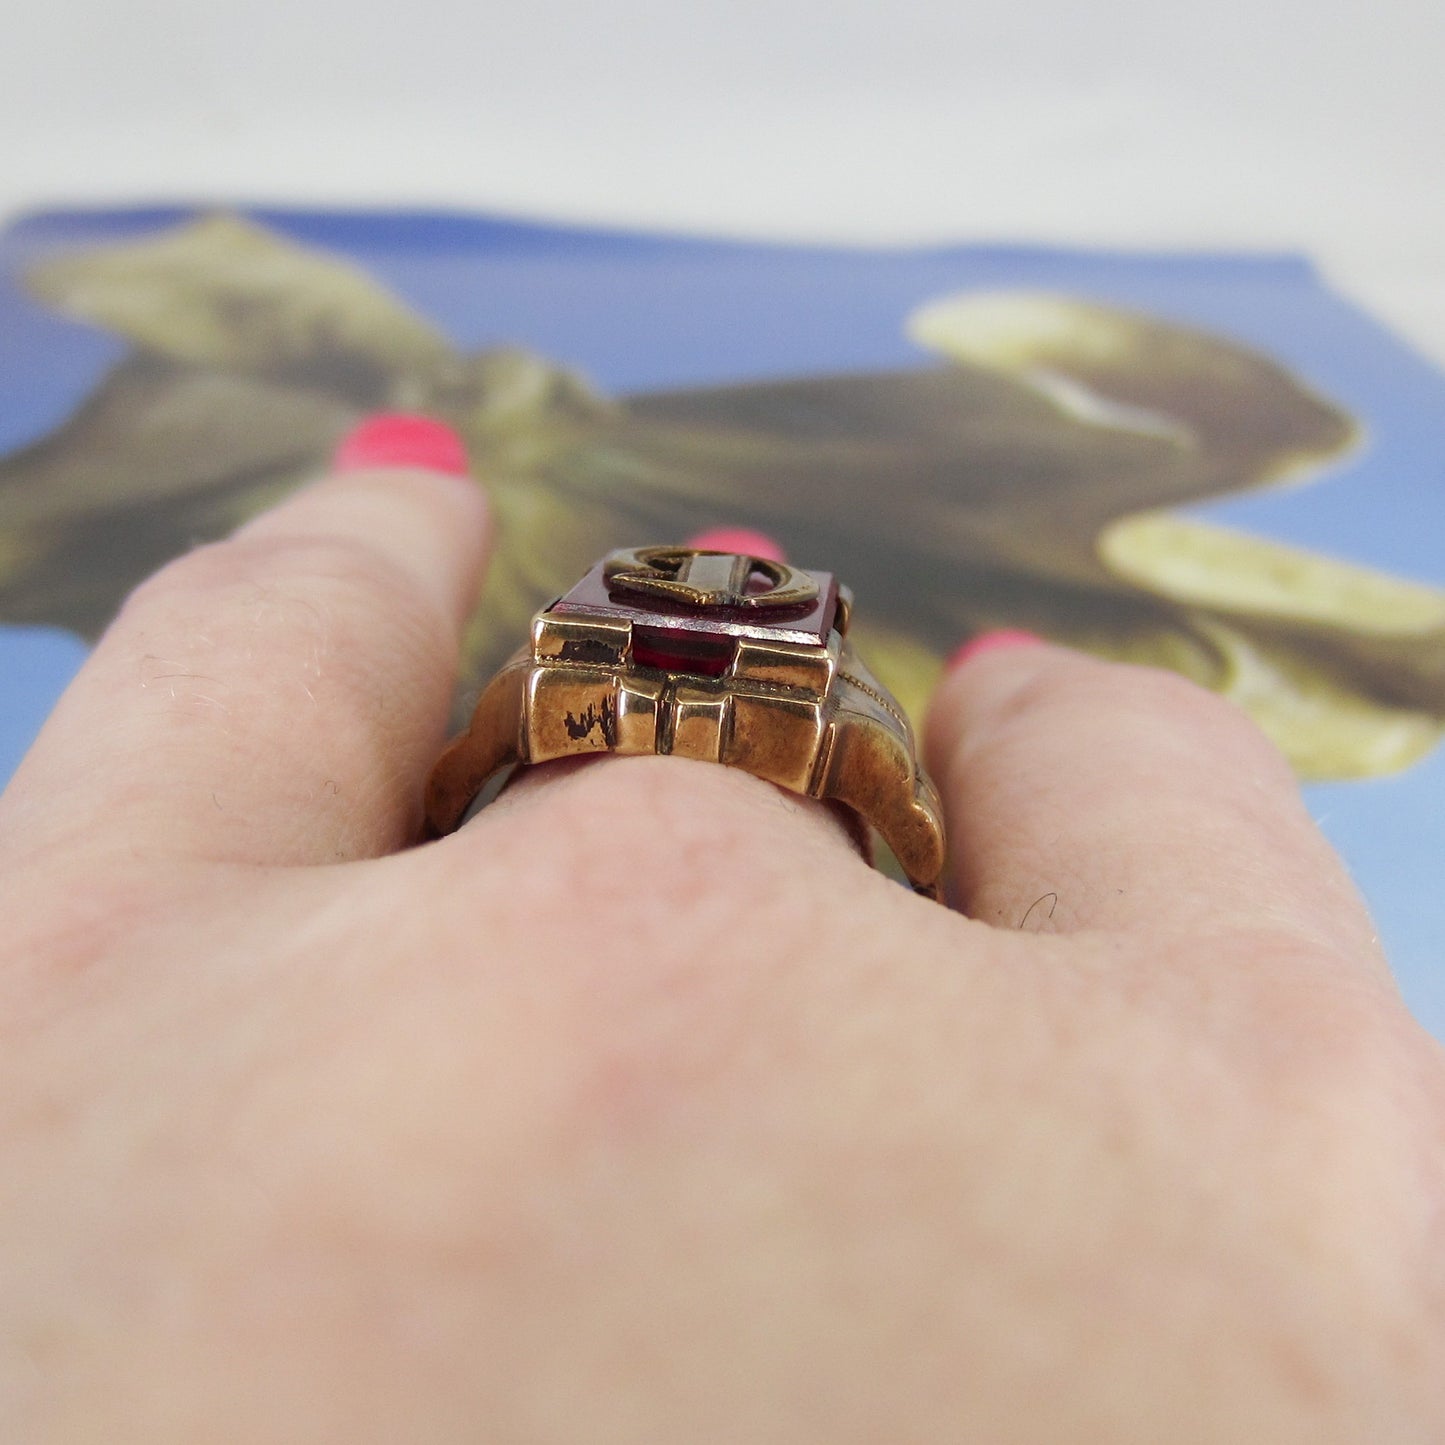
714, 656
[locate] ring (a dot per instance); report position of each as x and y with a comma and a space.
715, 656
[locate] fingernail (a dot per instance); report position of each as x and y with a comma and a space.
741, 540
994, 641
398, 439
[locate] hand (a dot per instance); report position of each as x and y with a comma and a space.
641, 1110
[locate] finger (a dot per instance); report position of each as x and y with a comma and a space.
277, 697
1082, 794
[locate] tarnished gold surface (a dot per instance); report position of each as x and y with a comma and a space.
706, 579
811, 719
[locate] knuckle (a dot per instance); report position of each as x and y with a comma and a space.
294, 640
315, 609
663, 966
1169, 716
1200, 719
1189, 708
273, 583
699, 836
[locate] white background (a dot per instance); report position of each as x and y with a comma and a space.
1241, 123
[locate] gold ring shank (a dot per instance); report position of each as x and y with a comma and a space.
492, 742
871, 768
846, 743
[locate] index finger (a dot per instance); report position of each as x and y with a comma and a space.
276, 697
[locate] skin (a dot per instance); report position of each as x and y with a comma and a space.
642, 1110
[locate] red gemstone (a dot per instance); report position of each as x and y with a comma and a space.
674, 652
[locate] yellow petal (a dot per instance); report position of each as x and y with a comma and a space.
1205, 565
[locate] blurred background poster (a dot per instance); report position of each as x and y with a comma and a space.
1209, 462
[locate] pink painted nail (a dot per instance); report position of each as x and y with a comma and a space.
994, 641
397, 439
741, 540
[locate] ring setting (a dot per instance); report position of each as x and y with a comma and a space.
714, 656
